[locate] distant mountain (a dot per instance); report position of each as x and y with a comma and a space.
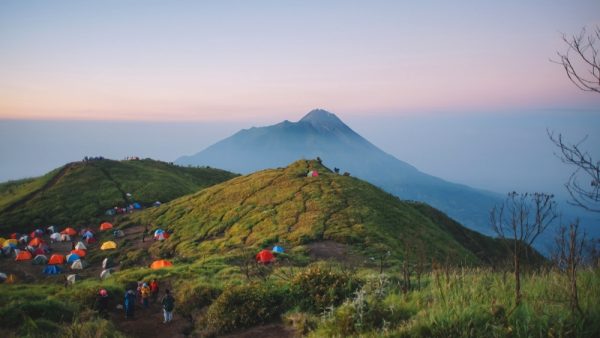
81, 192
285, 207
322, 134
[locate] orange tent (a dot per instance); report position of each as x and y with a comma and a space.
23, 255
56, 259
35, 242
160, 264
105, 226
79, 252
265, 257
69, 231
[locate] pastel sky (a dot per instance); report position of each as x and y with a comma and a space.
247, 60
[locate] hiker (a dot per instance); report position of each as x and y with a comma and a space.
168, 303
102, 303
145, 295
129, 304
138, 291
154, 290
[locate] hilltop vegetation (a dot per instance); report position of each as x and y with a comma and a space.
81, 192
284, 206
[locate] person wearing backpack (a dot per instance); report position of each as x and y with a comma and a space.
168, 304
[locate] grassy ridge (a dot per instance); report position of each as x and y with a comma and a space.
81, 192
286, 207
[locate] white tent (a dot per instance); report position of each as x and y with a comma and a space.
65, 237
52, 229
80, 246
105, 273
78, 265
73, 278
55, 237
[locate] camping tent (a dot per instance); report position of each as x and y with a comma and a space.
265, 257
52, 270
51, 229
107, 263
69, 231
105, 226
65, 237
10, 242
312, 173
91, 240
72, 258
87, 234
23, 255
118, 233
159, 264
56, 237
161, 235
79, 252
156, 204
78, 265
278, 249
24, 239
80, 246
73, 278
108, 245
137, 206
105, 273
56, 259
35, 242
40, 260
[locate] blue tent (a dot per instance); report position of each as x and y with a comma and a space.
136, 205
88, 234
278, 249
72, 258
52, 270
158, 232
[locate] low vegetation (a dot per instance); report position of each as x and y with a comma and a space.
81, 192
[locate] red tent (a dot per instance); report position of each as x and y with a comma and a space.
36, 242
24, 255
105, 226
14, 235
79, 252
265, 257
69, 231
56, 259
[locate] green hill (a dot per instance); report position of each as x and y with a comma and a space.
81, 192
284, 206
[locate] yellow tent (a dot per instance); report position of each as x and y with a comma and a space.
2, 239
108, 245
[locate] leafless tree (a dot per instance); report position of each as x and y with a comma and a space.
581, 60
569, 256
584, 183
519, 220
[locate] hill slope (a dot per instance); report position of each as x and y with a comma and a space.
285, 206
322, 134
82, 191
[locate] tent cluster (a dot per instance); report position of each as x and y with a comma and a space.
312, 173
32, 247
266, 256
126, 210
160, 235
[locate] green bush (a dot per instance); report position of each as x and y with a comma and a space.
92, 328
319, 287
191, 296
245, 305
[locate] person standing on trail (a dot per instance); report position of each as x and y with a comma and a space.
145, 295
102, 303
168, 304
129, 304
154, 290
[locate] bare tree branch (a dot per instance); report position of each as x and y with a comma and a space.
581, 61
585, 195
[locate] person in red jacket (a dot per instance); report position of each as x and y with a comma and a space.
154, 290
